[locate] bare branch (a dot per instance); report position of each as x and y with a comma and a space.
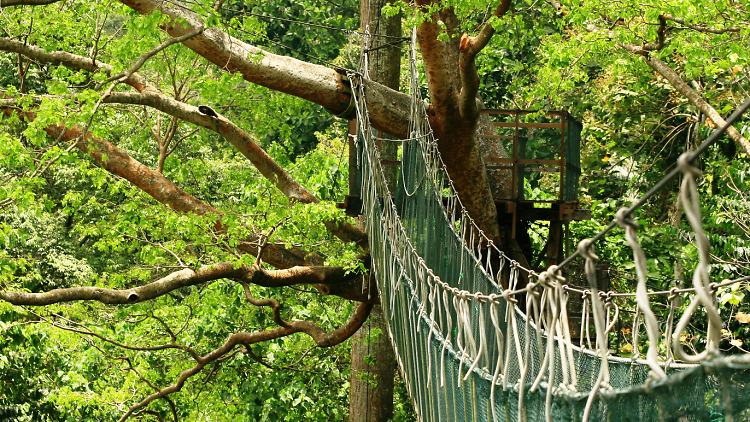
269, 366
435, 58
87, 332
144, 57
701, 27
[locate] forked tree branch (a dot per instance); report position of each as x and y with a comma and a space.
470, 47
149, 95
435, 57
286, 328
319, 336
328, 280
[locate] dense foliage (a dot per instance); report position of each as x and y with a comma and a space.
636, 124
68, 222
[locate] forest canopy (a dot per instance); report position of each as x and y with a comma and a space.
171, 245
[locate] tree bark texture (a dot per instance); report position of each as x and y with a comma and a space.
389, 109
456, 134
371, 384
371, 391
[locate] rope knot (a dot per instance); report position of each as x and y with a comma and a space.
624, 221
673, 293
508, 296
554, 272
586, 249
685, 166
543, 278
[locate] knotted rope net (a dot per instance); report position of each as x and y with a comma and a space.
468, 352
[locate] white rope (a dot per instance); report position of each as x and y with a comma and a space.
482, 342
531, 297
460, 340
691, 205
585, 320
586, 250
447, 341
433, 293
499, 365
641, 293
568, 340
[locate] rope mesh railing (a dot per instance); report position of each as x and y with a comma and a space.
467, 351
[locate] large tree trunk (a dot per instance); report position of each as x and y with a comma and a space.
371, 391
453, 113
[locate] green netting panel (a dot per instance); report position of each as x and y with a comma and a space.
414, 242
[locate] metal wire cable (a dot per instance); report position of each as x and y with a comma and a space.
668, 178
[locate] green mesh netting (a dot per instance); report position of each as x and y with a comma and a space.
415, 240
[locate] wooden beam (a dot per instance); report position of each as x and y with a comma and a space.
522, 161
524, 124
496, 136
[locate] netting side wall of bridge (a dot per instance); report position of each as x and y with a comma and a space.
434, 369
434, 354
475, 356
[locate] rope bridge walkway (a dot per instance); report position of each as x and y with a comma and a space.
468, 352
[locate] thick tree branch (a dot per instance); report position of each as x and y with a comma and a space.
329, 280
443, 92
456, 133
470, 47
164, 191
150, 96
659, 44
683, 88
701, 27
225, 127
314, 83
321, 338
62, 57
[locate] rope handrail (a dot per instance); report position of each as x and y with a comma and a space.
668, 178
444, 300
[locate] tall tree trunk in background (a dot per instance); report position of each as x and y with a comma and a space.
373, 371
373, 359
